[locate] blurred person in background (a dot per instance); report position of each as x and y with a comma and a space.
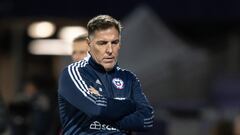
97, 96
3, 116
80, 48
39, 118
19, 112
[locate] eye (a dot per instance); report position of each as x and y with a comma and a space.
101, 42
115, 42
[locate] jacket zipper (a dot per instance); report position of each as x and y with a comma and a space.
109, 86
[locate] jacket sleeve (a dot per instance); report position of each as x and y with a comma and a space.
74, 89
142, 118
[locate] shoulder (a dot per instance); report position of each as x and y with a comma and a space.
76, 66
79, 64
42, 102
129, 73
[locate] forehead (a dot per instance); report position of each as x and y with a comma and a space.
109, 33
80, 44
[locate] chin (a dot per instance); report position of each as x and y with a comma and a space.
108, 67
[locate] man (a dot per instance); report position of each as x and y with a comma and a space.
80, 48
97, 96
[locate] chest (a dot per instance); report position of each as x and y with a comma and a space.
115, 85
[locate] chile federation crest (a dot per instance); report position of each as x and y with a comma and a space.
118, 83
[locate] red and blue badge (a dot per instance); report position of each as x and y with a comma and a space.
118, 83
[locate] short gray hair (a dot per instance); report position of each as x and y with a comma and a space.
102, 22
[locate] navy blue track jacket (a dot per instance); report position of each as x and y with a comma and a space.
121, 108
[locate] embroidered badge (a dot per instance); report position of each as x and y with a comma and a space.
118, 83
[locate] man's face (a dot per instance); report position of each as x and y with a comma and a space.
80, 50
104, 47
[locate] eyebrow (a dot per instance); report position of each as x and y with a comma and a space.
104, 41
117, 40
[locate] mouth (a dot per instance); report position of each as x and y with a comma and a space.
108, 59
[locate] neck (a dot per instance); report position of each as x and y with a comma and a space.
98, 66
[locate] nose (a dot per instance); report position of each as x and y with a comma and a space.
109, 48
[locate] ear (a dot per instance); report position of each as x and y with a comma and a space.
88, 42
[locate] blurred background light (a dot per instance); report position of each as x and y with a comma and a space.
49, 47
68, 33
42, 29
